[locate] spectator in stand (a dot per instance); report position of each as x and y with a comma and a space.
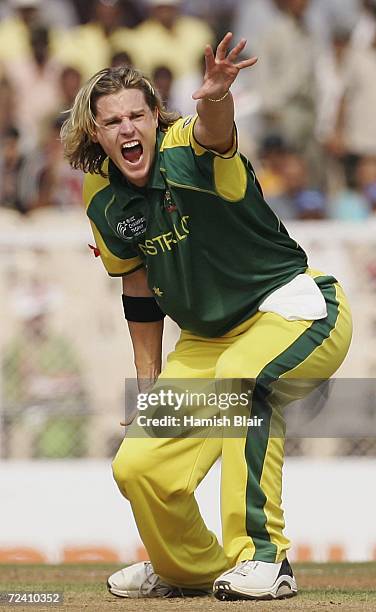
356, 202
272, 157
55, 14
219, 15
350, 204
310, 205
133, 14
254, 19
135, 11
35, 84
353, 135
89, 47
371, 197
366, 177
162, 78
121, 58
24, 17
70, 83
364, 31
287, 78
169, 38
331, 70
11, 162
47, 180
58, 14
15, 30
330, 78
298, 200
182, 87
6, 104
4, 11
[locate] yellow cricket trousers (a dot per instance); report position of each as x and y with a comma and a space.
159, 475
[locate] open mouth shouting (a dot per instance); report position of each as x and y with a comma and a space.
132, 151
127, 132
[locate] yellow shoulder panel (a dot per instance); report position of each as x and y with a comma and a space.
93, 183
114, 265
230, 175
230, 178
179, 134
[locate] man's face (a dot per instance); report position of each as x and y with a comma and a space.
107, 15
166, 15
126, 131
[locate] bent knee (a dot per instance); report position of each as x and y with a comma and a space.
128, 467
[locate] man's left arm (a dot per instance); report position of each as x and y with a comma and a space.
214, 128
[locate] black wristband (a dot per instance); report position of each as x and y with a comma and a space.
141, 309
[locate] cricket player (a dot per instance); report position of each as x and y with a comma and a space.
178, 214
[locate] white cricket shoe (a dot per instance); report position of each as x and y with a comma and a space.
256, 580
140, 580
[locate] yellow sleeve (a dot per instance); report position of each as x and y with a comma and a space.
93, 183
117, 257
114, 265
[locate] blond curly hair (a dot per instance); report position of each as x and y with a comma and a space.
78, 131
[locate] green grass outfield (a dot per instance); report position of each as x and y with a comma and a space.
322, 587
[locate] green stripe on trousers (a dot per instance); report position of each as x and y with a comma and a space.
257, 438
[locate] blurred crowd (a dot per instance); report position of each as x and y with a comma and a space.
305, 113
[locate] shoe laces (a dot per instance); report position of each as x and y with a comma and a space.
246, 567
153, 585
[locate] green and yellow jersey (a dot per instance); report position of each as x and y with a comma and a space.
212, 247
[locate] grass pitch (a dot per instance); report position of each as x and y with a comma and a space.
322, 587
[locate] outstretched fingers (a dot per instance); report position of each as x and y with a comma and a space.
232, 56
222, 53
246, 63
222, 68
209, 58
222, 48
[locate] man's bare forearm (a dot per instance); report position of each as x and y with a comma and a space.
215, 126
146, 337
147, 348
215, 107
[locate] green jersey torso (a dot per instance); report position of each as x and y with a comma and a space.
212, 247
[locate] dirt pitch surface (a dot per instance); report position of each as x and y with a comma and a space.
322, 588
